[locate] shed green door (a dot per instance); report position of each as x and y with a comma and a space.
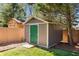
33, 34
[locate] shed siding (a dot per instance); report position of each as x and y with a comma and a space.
27, 34
51, 35
43, 34
55, 36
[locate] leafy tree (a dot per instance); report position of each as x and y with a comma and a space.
13, 10
66, 10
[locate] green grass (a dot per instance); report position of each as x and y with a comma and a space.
35, 51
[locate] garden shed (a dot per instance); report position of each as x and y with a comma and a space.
42, 32
14, 23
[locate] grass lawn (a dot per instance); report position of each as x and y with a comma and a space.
35, 51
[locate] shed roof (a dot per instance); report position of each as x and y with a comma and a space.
44, 20
18, 21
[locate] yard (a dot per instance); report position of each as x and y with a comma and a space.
36, 51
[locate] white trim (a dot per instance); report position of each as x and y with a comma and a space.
29, 18
29, 33
47, 35
38, 34
34, 23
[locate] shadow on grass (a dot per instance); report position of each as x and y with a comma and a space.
58, 52
61, 52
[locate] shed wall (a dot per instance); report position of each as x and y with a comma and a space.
27, 33
55, 35
51, 34
43, 34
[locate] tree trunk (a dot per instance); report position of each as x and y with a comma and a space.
69, 27
70, 38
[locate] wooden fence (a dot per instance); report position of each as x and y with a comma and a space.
11, 35
75, 36
16, 35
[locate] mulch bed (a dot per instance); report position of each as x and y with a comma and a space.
66, 46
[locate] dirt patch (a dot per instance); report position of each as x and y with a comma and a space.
7, 47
